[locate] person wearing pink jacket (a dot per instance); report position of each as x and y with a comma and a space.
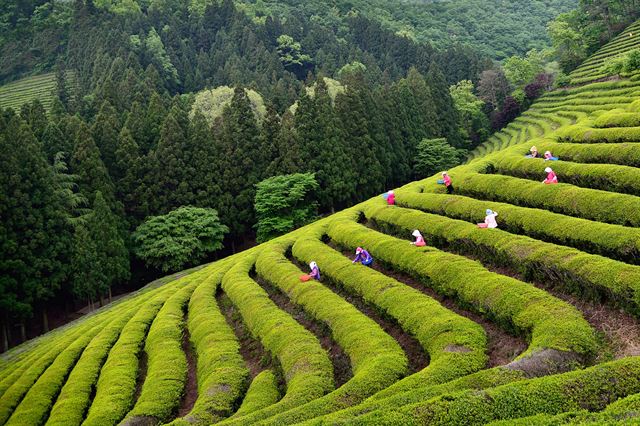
551, 177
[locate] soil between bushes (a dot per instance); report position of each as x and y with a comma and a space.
191, 386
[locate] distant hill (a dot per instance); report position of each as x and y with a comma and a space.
40, 87
498, 28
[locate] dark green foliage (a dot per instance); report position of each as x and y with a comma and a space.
181, 237
87, 273
112, 255
433, 156
242, 163
34, 232
448, 120
284, 203
105, 134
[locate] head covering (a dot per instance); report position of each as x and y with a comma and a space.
359, 250
548, 169
533, 148
444, 173
313, 265
391, 191
489, 211
416, 233
547, 153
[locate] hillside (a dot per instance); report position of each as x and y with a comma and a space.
26, 90
534, 322
497, 28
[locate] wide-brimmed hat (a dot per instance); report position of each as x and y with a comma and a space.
416, 233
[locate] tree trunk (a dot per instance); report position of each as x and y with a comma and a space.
23, 331
45, 321
233, 247
110, 296
101, 300
5, 337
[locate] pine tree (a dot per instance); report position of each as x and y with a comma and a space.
35, 116
87, 275
111, 251
54, 142
129, 183
202, 164
241, 165
34, 233
87, 164
105, 134
288, 158
169, 177
448, 119
136, 124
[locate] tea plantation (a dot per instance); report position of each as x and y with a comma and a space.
532, 322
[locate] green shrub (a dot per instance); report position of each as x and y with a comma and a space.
589, 389
377, 360
584, 134
37, 402
164, 384
221, 370
607, 177
624, 154
74, 399
617, 118
306, 366
262, 393
443, 331
549, 322
566, 199
587, 275
115, 391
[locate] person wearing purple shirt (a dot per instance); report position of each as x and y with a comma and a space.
315, 271
363, 257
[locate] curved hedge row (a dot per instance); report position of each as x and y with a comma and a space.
614, 241
221, 370
73, 402
586, 275
262, 393
624, 154
582, 133
37, 402
593, 204
549, 322
377, 360
454, 343
617, 118
115, 391
606, 177
589, 389
307, 369
164, 384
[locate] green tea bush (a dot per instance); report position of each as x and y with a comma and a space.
306, 366
37, 402
115, 391
444, 331
221, 370
377, 360
584, 134
587, 275
590, 389
549, 322
617, 118
607, 177
592, 204
262, 393
164, 384
74, 399
624, 154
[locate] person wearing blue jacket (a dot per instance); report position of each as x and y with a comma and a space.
363, 257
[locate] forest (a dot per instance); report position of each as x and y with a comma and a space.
188, 113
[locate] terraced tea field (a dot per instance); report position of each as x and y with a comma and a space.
41, 87
533, 322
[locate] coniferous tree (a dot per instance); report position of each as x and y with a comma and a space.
87, 164
35, 116
202, 164
34, 234
447, 115
169, 179
241, 166
105, 134
288, 158
87, 276
136, 124
130, 185
111, 251
54, 142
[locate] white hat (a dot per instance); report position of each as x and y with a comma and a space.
444, 173
416, 233
548, 170
390, 191
547, 152
313, 265
489, 211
